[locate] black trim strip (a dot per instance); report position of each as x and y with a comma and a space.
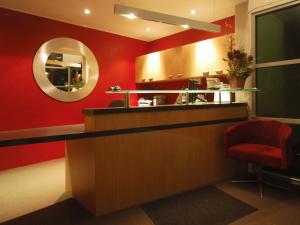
158, 108
92, 134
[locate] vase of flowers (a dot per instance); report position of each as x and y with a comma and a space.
239, 65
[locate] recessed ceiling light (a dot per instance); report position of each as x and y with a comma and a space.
130, 16
147, 29
87, 11
193, 12
185, 26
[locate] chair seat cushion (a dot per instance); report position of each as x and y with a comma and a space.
256, 153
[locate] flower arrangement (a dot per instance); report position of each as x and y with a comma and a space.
239, 62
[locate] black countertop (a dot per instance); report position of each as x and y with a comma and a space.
96, 111
77, 131
40, 135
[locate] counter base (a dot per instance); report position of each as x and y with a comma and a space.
111, 173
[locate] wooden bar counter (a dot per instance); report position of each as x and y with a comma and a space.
144, 154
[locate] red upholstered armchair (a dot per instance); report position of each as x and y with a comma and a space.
263, 142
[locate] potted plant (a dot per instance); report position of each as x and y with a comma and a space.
239, 65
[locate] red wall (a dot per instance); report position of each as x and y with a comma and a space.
24, 105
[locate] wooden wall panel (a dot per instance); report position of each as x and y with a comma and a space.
137, 168
80, 173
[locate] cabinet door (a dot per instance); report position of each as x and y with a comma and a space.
220, 52
173, 64
140, 69
206, 56
150, 67
165, 61
189, 61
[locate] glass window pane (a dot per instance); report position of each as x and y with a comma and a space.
278, 35
279, 94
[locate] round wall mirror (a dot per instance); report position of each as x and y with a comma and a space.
65, 69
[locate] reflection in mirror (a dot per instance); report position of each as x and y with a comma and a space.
65, 69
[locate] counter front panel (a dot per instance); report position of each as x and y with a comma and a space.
152, 154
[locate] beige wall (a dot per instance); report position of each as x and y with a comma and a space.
243, 32
241, 26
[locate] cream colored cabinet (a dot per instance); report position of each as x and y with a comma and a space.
150, 67
207, 56
184, 62
140, 69
220, 50
173, 64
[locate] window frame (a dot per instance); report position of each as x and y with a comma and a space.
269, 64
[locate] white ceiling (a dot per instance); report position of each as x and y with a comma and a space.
102, 16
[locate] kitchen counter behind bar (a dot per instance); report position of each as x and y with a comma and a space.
154, 153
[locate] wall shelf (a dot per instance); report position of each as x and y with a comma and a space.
127, 93
169, 80
180, 79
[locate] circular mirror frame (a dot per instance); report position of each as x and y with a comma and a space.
39, 66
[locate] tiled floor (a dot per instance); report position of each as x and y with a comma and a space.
27, 189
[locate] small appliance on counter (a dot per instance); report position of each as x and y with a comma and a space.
191, 98
142, 102
193, 85
213, 83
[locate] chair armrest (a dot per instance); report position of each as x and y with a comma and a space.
232, 136
286, 147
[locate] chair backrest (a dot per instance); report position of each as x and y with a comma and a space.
263, 131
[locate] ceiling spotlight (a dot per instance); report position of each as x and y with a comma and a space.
87, 11
185, 26
133, 13
130, 16
147, 29
193, 12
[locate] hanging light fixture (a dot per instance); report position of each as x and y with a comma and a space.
134, 13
